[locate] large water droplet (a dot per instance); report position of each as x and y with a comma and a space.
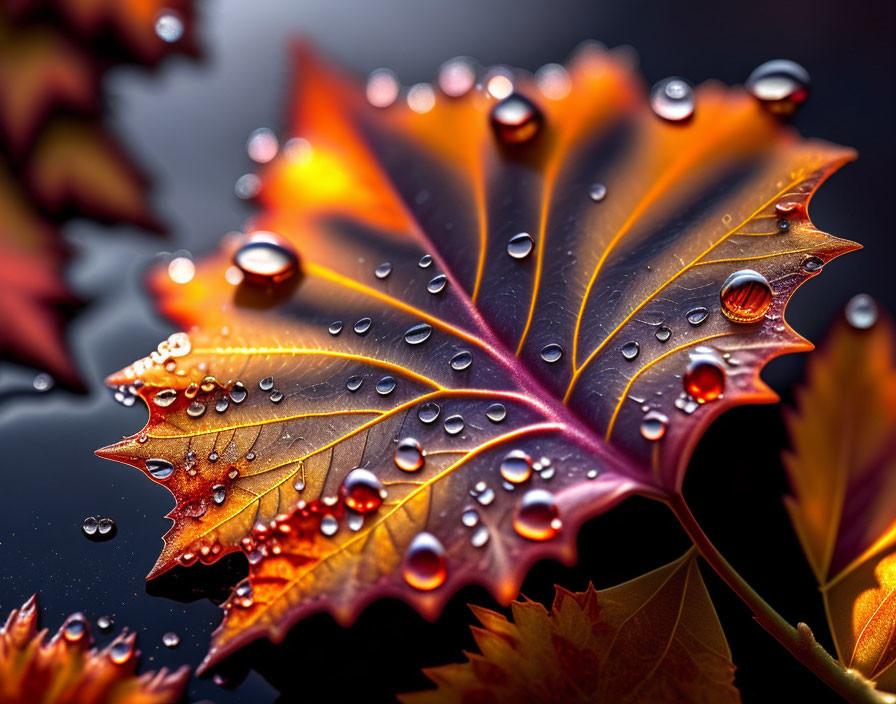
516, 467
437, 283
428, 412
266, 258
672, 99
383, 270
653, 425
454, 424
537, 517
745, 296
417, 334
861, 311
780, 85
704, 379
363, 491
461, 360
551, 352
496, 412
159, 468
598, 192
515, 119
409, 455
630, 350
697, 316
520, 245
362, 326
385, 386
425, 565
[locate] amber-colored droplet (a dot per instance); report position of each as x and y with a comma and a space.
537, 516
704, 379
746, 296
409, 455
515, 119
516, 467
425, 565
363, 491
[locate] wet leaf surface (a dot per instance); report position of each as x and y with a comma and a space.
453, 311
654, 639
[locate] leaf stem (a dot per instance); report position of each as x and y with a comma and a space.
799, 641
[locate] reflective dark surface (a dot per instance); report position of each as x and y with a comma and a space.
187, 124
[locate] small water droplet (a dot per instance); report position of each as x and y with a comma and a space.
479, 537
516, 467
171, 639
266, 258
169, 27
354, 383
105, 623
363, 491
418, 333
262, 145
783, 225
89, 526
812, 264
42, 382
630, 350
120, 651
383, 270
105, 528
409, 455
663, 333
496, 412
653, 425
697, 316
362, 326
437, 283
781, 86
553, 81
238, 393
861, 311
428, 412
222, 404
425, 261
385, 386
335, 327
704, 379
266, 384
421, 98
276, 396
486, 496
196, 409
520, 245
454, 424
329, 525
673, 99
74, 628
299, 484
598, 192
425, 564
470, 518
515, 120
457, 77
382, 88
165, 397
159, 468
551, 353
461, 360
219, 493
247, 186
537, 517
213, 456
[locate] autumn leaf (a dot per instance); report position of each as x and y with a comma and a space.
66, 670
654, 639
842, 469
480, 322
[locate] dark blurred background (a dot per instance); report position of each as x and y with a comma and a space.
187, 123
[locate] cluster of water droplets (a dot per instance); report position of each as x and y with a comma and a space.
98, 528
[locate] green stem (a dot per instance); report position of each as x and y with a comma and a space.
799, 641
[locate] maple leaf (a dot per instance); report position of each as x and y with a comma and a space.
66, 670
842, 470
655, 638
475, 348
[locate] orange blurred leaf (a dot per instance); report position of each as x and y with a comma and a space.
842, 469
654, 639
421, 315
66, 670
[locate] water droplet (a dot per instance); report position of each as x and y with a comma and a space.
421, 98
276, 396
181, 270
418, 334
470, 518
516, 467
42, 382
105, 623
479, 537
74, 628
704, 379
788, 208
266, 258
457, 77
165, 397
598, 192
247, 186
630, 350
461, 360
745, 296
362, 326
383, 270
382, 88
354, 383
496, 412
171, 639
335, 327
520, 246
812, 264
499, 85
121, 650
663, 333
219, 493
486, 496
537, 516
169, 27
159, 468
780, 85
409, 455
329, 525
299, 484
653, 425
672, 99
425, 261
266, 384
861, 311
105, 528
262, 145
89, 526
553, 81
697, 316
222, 404
196, 409
428, 412
515, 119
424, 565
551, 353
363, 491
213, 456
238, 393
385, 386
437, 283
454, 424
